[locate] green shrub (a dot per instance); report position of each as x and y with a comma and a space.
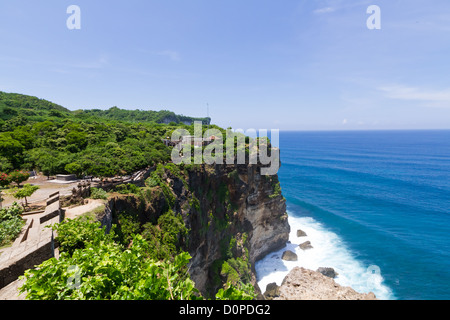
98, 193
129, 226
127, 188
109, 272
22, 193
11, 224
276, 191
234, 175
18, 176
166, 237
78, 233
241, 292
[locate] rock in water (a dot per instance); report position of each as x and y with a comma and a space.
301, 233
329, 272
289, 256
306, 245
272, 291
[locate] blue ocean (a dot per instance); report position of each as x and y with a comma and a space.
375, 206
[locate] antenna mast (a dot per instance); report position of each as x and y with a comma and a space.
207, 112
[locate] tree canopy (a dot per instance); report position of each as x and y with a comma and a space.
36, 134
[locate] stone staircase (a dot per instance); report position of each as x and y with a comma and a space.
34, 245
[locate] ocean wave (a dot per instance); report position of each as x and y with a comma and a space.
328, 251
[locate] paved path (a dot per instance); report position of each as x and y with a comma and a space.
47, 187
74, 212
11, 291
34, 236
32, 247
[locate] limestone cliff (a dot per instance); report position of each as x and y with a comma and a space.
254, 213
235, 216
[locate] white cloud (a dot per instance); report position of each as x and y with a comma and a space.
437, 98
324, 10
172, 55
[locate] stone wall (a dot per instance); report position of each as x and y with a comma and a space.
33, 246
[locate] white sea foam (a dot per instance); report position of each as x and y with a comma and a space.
328, 251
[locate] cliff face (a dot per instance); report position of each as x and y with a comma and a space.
237, 203
235, 216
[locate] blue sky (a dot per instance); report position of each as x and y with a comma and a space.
292, 65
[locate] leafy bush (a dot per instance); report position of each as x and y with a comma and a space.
236, 270
166, 237
152, 181
129, 226
276, 191
4, 179
231, 292
98, 193
108, 272
14, 211
22, 193
127, 188
79, 233
11, 224
18, 176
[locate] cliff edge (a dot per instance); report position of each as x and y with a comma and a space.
234, 217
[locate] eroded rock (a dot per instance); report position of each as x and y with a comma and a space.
289, 256
272, 291
306, 245
328, 272
305, 284
301, 233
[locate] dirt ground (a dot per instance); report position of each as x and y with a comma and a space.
72, 213
47, 187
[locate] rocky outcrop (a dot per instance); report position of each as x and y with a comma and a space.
305, 245
301, 233
289, 256
328, 272
304, 284
272, 291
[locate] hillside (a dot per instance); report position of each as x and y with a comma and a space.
35, 109
36, 134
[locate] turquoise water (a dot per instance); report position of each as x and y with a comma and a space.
377, 208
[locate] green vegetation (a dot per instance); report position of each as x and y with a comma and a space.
166, 237
235, 270
38, 134
11, 224
276, 191
243, 292
158, 179
136, 260
98, 193
79, 233
127, 189
18, 177
94, 265
22, 193
108, 271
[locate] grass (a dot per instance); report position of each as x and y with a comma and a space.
95, 212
